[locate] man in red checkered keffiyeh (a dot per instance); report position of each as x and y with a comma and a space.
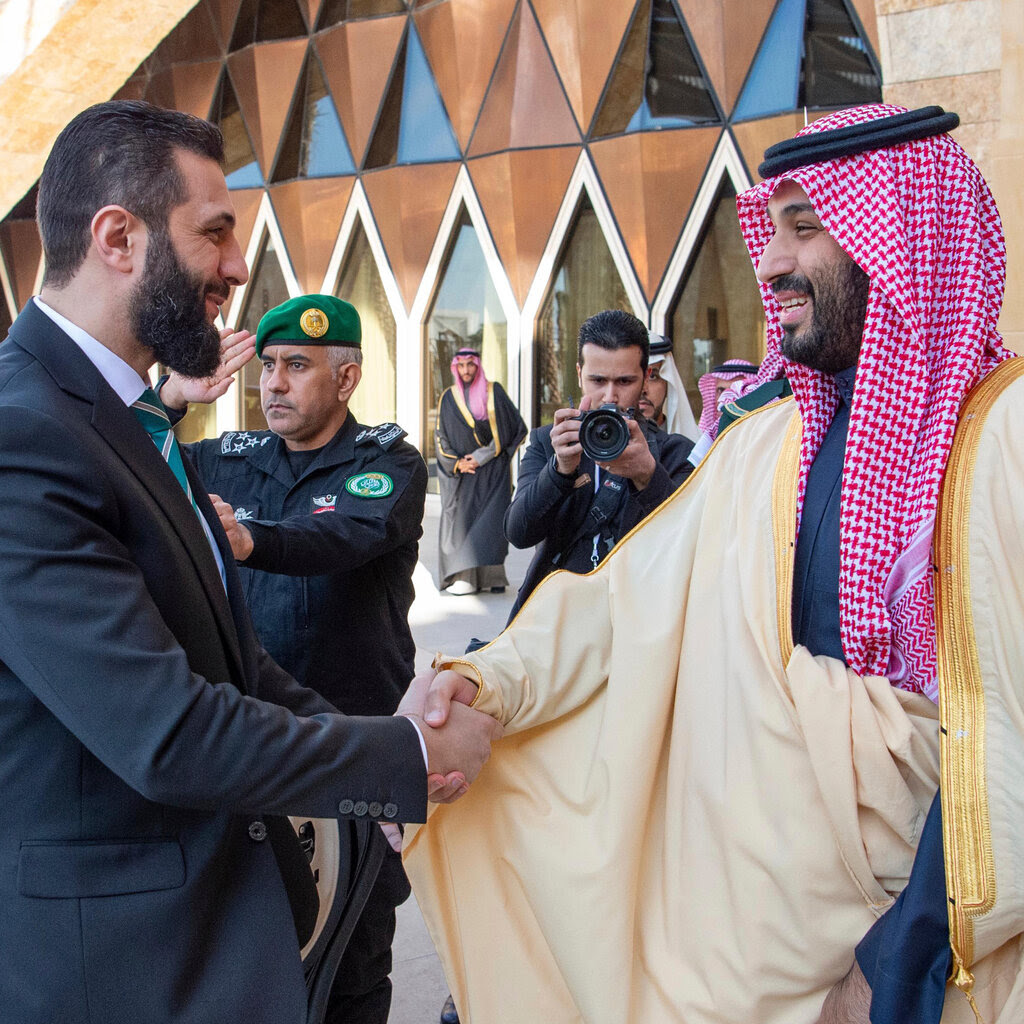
920, 221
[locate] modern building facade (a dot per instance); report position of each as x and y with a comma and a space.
491, 172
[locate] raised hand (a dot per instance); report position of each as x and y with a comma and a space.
236, 349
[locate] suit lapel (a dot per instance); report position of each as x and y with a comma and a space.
117, 425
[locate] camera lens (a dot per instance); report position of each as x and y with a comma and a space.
604, 434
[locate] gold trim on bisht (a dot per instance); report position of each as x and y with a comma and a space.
784, 493
492, 418
966, 827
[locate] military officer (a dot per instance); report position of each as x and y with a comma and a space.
324, 516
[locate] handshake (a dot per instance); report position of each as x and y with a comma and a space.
458, 739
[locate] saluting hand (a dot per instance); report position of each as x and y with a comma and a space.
239, 537
236, 349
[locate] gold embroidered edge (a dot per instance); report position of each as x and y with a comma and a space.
784, 493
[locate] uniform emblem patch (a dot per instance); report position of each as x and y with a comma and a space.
314, 322
370, 485
325, 503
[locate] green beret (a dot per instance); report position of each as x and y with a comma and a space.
310, 320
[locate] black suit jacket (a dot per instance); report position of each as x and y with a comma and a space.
143, 731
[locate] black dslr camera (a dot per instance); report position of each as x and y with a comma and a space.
604, 432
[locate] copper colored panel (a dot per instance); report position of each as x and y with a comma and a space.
194, 86
310, 8
194, 38
357, 58
520, 194
525, 104
309, 213
462, 40
408, 204
264, 77
160, 90
132, 89
651, 179
22, 251
727, 35
754, 137
224, 13
246, 202
584, 38
866, 12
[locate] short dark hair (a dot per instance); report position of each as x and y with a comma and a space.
120, 153
612, 329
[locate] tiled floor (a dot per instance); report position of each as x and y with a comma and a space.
439, 623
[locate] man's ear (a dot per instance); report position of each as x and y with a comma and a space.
349, 375
119, 238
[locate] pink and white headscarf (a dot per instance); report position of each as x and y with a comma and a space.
476, 393
921, 221
711, 404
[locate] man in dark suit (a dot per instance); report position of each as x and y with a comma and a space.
144, 734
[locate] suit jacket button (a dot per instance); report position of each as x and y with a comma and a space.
257, 831
360, 809
375, 810
345, 807
390, 810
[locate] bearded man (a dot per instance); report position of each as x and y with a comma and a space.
148, 745
478, 432
697, 817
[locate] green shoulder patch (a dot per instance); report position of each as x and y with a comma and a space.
370, 485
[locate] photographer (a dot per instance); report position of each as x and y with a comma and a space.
575, 507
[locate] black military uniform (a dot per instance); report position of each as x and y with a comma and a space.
329, 580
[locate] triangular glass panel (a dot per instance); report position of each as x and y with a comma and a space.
413, 127
586, 280
812, 55
334, 12
241, 168
657, 81
314, 144
260, 21
837, 70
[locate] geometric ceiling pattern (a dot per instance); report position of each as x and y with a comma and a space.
315, 95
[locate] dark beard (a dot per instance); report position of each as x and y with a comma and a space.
168, 312
832, 341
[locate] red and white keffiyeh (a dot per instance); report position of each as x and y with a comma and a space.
921, 221
712, 401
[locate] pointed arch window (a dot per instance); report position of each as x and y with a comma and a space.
314, 144
586, 281
657, 81
266, 289
241, 168
360, 283
717, 314
813, 54
413, 126
466, 313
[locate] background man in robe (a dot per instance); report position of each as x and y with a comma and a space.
478, 431
746, 786
664, 398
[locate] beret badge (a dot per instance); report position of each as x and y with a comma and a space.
314, 322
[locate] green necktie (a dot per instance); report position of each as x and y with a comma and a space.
150, 412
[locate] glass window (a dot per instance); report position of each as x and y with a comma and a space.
585, 283
657, 82
718, 313
262, 20
360, 284
314, 144
334, 12
413, 126
267, 289
240, 167
466, 313
200, 421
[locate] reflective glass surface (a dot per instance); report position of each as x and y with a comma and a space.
262, 20
718, 313
466, 314
414, 127
360, 284
657, 82
267, 289
773, 84
240, 167
334, 12
585, 283
314, 144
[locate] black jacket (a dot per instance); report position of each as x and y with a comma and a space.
329, 580
554, 511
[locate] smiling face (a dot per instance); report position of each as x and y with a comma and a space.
821, 291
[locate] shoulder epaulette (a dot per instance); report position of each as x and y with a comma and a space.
241, 442
384, 434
